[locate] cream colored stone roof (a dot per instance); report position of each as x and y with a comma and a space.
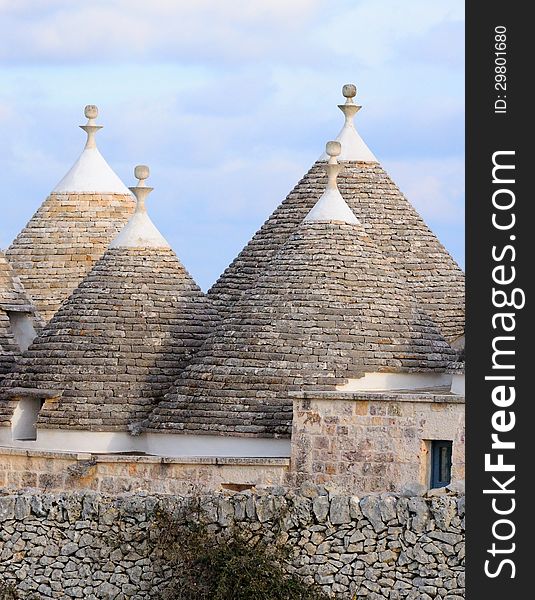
70, 230
12, 293
9, 350
329, 308
117, 344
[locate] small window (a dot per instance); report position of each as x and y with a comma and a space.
440, 463
24, 419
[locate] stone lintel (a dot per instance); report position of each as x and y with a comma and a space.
16, 392
25, 308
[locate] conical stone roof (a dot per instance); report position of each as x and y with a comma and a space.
12, 299
116, 345
387, 216
9, 350
72, 228
329, 307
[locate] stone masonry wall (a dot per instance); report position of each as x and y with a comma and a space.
86, 545
116, 473
373, 441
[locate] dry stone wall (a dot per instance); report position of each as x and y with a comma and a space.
383, 546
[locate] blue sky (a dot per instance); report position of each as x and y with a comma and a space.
230, 103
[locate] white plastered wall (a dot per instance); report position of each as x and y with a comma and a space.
377, 382
24, 419
165, 444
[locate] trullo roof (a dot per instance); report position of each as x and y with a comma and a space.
329, 307
72, 228
387, 217
116, 345
13, 299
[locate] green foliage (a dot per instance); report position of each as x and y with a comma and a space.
215, 567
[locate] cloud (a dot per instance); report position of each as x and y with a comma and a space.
229, 103
125, 30
443, 44
434, 186
374, 30
367, 32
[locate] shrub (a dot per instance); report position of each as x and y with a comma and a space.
7, 591
217, 567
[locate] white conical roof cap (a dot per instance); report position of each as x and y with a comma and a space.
353, 146
91, 173
140, 231
331, 206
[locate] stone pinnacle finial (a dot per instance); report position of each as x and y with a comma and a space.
353, 147
141, 190
91, 113
349, 91
141, 172
331, 206
333, 149
140, 231
350, 109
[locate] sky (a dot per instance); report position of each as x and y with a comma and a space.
230, 103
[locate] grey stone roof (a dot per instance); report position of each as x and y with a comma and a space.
390, 220
9, 350
12, 298
116, 345
329, 307
62, 241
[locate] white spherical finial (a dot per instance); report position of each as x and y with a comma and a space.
91, 111
141, 172
333, 148
349, 90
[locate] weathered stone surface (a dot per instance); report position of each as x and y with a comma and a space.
116, 345
13, 298
371, 509
391, 222
329, 308
457, 487
85, 545
62, 241
413, 489
321, 508
7, 508
339, 511
354, 442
